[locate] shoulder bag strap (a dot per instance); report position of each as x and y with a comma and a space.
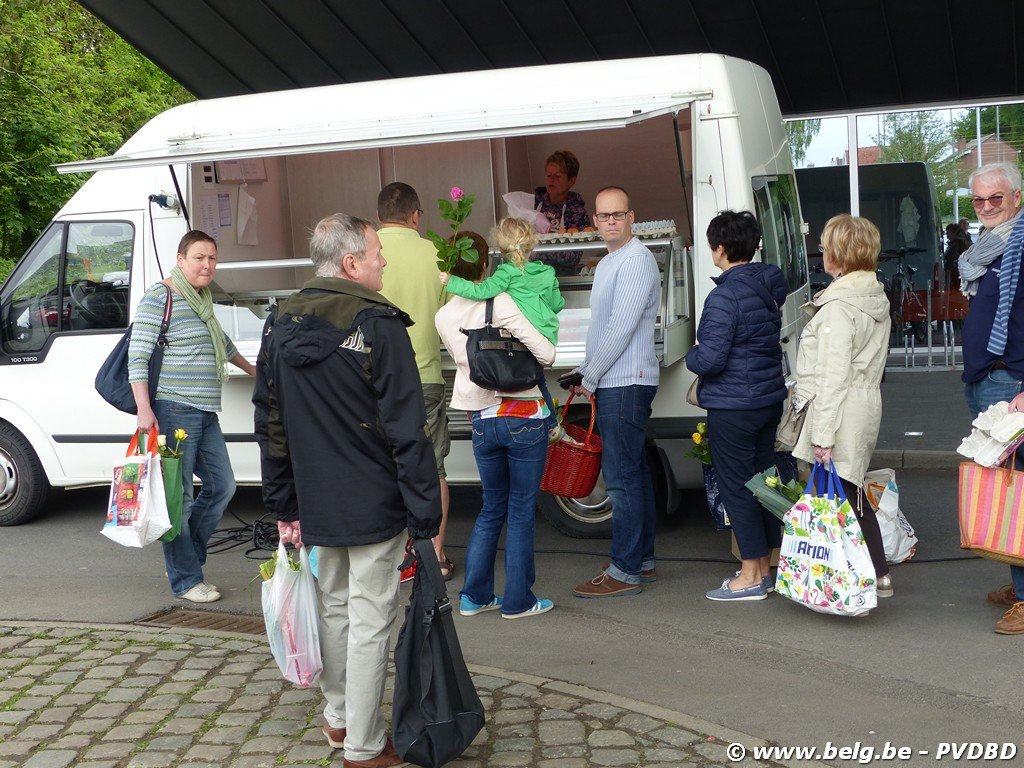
489, 316
161, 338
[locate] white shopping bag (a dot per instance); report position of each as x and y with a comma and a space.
137, 506
898, 535
824, 562
520, 205
292, 618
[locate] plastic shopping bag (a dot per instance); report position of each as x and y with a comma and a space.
521, 205
174, 493
291, 617
137, 506
824, 562
898, 535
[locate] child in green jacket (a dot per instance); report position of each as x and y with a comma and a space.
531, 284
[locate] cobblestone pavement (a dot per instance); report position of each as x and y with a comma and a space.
134, 697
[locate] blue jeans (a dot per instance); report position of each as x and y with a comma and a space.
510, 454
205, 455
622, 416
996, 386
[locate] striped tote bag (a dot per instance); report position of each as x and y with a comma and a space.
992, 512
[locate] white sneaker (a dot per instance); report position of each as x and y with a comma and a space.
201, 593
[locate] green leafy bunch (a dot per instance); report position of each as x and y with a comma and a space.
701, 449
453, 248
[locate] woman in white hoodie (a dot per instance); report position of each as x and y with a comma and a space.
842, 356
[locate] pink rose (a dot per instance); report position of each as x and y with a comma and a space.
457, 193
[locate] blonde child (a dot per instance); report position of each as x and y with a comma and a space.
531, 284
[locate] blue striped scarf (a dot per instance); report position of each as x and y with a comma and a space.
1009, 276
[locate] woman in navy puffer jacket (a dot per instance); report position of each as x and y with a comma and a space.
739, 356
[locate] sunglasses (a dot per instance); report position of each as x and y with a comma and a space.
996, 201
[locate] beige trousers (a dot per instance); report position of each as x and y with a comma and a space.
358, 606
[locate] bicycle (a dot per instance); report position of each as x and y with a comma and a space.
909, 315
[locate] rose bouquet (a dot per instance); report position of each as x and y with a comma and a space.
775, 496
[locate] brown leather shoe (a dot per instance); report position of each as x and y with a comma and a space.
335, 736
605, 586
1012, 622
1005, 595
646, 577
387, 758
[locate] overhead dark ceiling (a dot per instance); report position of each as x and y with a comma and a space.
823, 55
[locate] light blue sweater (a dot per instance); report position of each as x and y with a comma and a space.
623, 309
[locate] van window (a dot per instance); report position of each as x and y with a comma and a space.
779, 215
81, 287
96, 275
30, 303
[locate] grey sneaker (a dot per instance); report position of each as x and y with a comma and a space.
756, 592
201, 593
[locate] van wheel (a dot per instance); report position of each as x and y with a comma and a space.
591, 517
23, 485
586, 518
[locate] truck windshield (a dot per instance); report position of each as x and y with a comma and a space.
778, 212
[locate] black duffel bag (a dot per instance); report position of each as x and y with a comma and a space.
112, 378
498, 360
436, 712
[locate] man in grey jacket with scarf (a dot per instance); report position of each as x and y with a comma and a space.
993, 333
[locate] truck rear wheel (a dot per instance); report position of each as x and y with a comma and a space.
591, 517
23, 484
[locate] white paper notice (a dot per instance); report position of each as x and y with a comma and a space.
248, 218
224, 208
207, 219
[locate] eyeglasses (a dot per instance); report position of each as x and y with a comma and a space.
821, 248
419, 211
617, 215
996, 201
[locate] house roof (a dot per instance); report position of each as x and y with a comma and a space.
823, 55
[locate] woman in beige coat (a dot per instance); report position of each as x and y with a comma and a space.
839, 366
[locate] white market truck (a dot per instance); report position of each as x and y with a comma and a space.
687, 136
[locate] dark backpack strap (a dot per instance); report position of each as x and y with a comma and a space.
161, 339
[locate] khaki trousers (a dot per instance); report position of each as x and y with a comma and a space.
358, 606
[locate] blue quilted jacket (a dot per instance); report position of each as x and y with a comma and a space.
738, 353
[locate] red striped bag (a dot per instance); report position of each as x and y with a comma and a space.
992, 512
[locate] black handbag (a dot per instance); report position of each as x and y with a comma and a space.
498, 360
112, 377
436, 712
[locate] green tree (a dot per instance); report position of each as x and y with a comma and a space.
919, 137
1011, 124
801, 134
69, 89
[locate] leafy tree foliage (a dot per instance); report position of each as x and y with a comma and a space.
919, 137
69, 88
1011, 125
801, 133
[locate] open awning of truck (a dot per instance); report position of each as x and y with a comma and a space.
822, 55
394, 113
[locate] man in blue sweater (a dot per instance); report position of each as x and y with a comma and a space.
993, 334
621, 370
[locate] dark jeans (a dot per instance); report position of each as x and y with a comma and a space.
869, 525
743, 444
622, 416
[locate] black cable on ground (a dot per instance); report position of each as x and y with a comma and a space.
261, 533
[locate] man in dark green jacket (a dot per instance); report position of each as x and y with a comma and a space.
347, 466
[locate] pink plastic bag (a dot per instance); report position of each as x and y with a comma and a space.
292, 619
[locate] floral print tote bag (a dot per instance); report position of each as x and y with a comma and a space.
824, 562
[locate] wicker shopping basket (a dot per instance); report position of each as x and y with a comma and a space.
572, 468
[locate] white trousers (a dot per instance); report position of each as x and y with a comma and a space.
358, 607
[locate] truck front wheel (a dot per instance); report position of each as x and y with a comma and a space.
23, 484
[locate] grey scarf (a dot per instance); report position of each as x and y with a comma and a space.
973, 262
